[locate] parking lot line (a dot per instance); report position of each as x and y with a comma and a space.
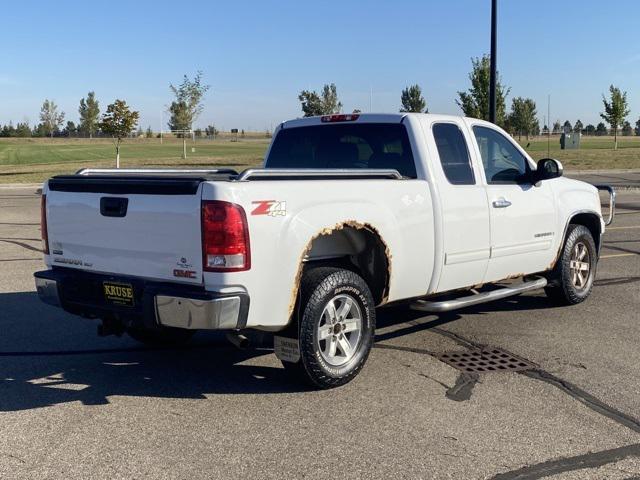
618, 255
623, 228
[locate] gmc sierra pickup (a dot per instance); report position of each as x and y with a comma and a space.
349, 212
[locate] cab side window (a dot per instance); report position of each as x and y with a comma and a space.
454, 154
502, 161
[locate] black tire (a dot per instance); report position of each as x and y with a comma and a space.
562, 284
320, 286
162, 336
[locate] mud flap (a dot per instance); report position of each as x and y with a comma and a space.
286, 349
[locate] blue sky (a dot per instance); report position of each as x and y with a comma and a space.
257, 56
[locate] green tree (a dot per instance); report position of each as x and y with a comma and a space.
70, 129
187, 106
556, 127
601, 129
50, 117
118, 122
211, 131
475, 101
637, 129
578, 127
627, 129
89, 111
590, 129
566, 127
23, 130
9, 130
522, 118
324, 104
616, 110
412, 100
149, 132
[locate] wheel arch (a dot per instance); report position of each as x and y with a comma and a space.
354, 246
591, 220
587, 218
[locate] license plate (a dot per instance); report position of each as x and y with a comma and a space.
118, 293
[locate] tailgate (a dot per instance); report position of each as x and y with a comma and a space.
149, 227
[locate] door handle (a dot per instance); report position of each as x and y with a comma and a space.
501, 203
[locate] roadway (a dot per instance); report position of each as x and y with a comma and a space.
74, 405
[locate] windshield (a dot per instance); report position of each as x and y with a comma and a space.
344, 145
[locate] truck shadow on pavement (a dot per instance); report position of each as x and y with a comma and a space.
48, 357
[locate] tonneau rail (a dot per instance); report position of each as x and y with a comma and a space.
317, 174
156, 171
612, 201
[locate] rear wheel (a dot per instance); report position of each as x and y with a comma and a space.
572, 278
161, 337
335, 327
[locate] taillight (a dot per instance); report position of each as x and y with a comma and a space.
339, 117
225, 237
43, 224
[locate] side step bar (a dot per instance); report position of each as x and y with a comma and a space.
455, 304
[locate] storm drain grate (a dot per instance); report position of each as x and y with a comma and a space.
485, 361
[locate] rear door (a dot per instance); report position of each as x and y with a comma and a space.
523, 216
125, 228
465, 214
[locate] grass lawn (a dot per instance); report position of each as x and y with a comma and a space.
594, 153
35, 160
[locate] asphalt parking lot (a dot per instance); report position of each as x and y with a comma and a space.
73, 405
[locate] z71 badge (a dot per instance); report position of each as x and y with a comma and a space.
273, 208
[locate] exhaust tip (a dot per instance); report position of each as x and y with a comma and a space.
238, 340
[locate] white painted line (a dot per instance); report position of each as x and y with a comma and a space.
618, 255
621, 228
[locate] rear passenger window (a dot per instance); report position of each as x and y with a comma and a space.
454, 154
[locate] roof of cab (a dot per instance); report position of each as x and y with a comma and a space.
367, 118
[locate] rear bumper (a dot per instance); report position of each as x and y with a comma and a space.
156, 303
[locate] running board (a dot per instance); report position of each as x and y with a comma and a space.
448, 305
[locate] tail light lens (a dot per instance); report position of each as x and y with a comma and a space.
225, 237
43, 224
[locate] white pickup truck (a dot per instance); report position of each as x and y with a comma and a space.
348, 213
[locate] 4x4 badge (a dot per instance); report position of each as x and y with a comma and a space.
273, 208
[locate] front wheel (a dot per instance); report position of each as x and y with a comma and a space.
335, 328
572, 278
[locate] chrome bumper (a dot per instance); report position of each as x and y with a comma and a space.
215, 314
48, 291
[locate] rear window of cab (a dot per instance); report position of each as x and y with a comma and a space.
364, 145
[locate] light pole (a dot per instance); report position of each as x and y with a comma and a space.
492, 75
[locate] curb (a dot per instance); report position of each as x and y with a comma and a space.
21, 185
600, 172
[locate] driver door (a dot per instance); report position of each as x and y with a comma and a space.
522, 216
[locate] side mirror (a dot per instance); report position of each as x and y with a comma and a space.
547, 169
